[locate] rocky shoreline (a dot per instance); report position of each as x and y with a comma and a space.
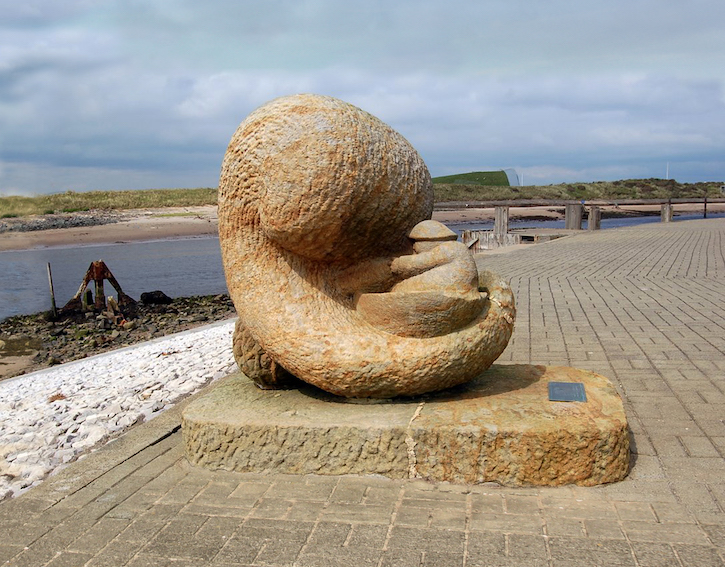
32, 342
61, 220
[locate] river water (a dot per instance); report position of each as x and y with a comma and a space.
182, 267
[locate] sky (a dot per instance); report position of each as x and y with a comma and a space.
132, 94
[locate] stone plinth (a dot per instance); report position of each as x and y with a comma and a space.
500, 427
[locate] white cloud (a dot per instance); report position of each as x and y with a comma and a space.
148, 93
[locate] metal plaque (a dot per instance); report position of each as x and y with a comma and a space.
567, 392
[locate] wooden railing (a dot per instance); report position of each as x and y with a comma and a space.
573, 216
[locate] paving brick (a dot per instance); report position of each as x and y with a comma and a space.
716, 534
414, 517
638, 511
99, 535
694, 468
70, 559
696, 497
305, 511
32, 557
647, 468
578, 508
271, 509
382, 494
570, 527
447, 518
508, 523
340, 512
304, 488
398, 558
362, 557
8, 551
669, 532
278, 553
437, 559
412, 539
350, 490
603, 529
151, 560
654, 554
698, 556
239, 550
492, 503
522, 504
667, 512
526, 548
590, 552
116, 553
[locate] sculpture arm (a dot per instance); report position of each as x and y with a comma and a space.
411, 265
367, 277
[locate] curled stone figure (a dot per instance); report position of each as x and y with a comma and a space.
338, 275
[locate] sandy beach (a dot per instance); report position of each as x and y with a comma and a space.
185, 222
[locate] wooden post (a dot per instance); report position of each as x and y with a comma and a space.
704, 210
501, 222
53, 309
594, 220
666, 213
573, 217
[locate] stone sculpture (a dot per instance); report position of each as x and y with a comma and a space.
338, 275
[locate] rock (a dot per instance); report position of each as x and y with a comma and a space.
34, 332
129, 325
157, 297
317, 200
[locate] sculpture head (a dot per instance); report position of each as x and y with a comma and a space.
332, 183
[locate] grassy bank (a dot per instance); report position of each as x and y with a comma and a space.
473, 190
71, 201
609, 190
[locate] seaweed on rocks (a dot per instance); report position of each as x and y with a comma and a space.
79, 335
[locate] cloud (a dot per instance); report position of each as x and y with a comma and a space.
133, 93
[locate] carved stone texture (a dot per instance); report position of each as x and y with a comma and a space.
319, 209
256, 364
500, 427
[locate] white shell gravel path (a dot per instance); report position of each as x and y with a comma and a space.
51, 417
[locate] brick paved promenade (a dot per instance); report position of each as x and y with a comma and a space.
644, 306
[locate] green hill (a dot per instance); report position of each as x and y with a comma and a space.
488, 178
